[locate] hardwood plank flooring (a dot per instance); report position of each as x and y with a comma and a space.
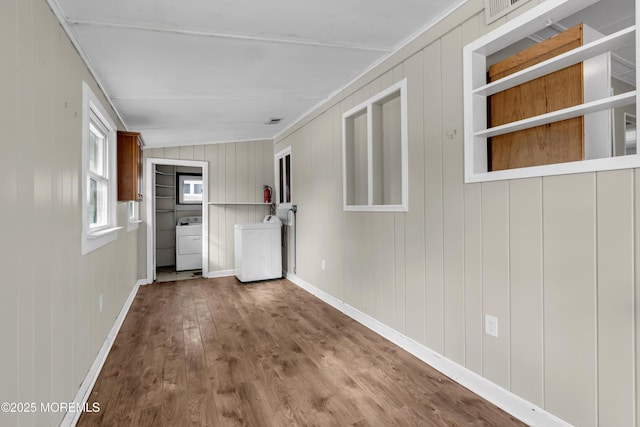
214, 352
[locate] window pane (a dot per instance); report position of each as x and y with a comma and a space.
97, 202
287, 185
93, 201
192, 191
96, 151
281, 180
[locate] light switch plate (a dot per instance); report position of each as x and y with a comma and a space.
491, 325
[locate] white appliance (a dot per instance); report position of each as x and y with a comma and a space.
189, 243
258, 252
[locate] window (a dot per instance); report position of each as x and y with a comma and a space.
133, 214
507, 138
283, 177
98, 174
190, 189
374, 145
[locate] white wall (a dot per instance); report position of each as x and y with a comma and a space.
52, 328
554, 258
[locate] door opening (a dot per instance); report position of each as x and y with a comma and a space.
177, 219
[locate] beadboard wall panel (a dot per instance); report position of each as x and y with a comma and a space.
544, 255
49, 305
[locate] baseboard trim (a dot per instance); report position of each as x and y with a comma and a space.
220, 273
520, 408
71, 418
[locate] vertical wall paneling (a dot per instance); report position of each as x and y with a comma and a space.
400, 247
400, 272
172, 153
335, 256
243, 180
53, 328
636, 297
9, 194
60, 259
231, 210
316, 157
43, 200
198, 151
258, 173
186, 152
495, 280
569, 297
453, 198
384, 226
474, 317
432, 78
615, 297
525, 243
211, 155
387, 270
25, 139
221, 184
414, 218
552, 258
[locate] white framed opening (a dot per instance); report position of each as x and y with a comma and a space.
150, 167
600, 54
283, 166
375, 153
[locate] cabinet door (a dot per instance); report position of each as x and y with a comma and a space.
552, 143
129, 166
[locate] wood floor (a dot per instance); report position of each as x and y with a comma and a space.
214, 352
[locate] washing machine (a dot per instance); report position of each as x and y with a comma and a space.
258, 250
189, 243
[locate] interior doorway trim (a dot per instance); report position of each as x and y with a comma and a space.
150, 166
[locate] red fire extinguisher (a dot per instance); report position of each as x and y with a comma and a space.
267, 193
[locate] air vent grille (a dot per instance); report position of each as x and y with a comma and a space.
495, 9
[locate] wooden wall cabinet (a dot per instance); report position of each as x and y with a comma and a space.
129, 166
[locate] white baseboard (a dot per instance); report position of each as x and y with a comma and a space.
520, 408
220, 273
71, 418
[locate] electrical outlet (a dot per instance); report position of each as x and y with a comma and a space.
100, 302
491, 325
323, 265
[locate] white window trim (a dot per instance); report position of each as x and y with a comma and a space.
474, 75
279, 155
94, 239
133, 223
367, 105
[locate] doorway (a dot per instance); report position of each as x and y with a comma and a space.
165, 209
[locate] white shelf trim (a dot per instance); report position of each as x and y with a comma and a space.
621, 100
575, 56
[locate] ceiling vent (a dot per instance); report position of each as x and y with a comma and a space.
495, 9
274, 121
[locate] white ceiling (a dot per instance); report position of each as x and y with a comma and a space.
204, 71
